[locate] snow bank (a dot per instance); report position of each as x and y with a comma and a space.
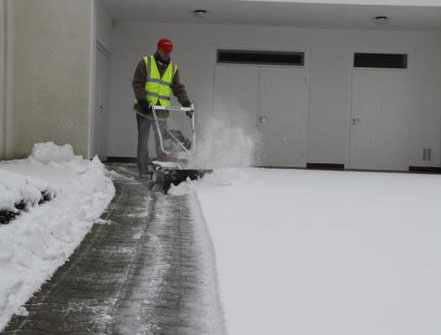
37, 242
50, 152
314, 252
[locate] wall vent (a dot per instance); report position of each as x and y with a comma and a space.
427, 154
375, 60
261, 57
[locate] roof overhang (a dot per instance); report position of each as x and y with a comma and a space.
340, 14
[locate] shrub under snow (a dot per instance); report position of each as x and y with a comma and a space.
18, 192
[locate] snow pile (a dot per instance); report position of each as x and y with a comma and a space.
50, 152
37, 242
224, 144
16, 189
314, 252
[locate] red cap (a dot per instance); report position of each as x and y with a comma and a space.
165, 44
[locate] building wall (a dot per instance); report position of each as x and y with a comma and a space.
2, 77
329, 59
53, 62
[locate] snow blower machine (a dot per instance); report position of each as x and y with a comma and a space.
176, 149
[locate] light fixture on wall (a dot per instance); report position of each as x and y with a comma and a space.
200, 13
380, 19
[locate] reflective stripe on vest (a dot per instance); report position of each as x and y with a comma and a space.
157, 88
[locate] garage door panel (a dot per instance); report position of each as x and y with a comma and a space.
235, 98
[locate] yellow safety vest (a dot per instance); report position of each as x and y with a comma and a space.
157, 88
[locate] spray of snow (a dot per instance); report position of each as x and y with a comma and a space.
227, 139
223, 145
226, 145
37, 242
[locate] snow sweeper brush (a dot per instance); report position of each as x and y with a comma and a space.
176, 149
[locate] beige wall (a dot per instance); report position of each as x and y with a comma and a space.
53, 41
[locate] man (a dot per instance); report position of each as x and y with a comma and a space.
155, 78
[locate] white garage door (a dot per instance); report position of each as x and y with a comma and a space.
379, 129
273, 101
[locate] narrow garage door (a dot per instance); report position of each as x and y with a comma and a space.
271, 100
380, 109
282, 116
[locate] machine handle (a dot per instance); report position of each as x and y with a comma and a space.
156, 108
172, 108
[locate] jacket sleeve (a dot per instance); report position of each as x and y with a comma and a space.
138, 82
178, 89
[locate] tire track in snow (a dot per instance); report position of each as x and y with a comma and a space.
175, 290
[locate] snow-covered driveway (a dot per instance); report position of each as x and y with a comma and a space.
313, 253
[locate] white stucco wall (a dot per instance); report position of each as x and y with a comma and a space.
52, 73
329, 57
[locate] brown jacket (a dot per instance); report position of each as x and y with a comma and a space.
139, 78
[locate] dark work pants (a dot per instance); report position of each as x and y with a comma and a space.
144, 125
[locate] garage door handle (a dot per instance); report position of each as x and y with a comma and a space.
355, 121
262, 119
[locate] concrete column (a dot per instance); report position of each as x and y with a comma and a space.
6, 77
52, 74
2, 76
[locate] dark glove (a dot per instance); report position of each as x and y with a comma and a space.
145, 106
187, 103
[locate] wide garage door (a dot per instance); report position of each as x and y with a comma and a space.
273, 100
